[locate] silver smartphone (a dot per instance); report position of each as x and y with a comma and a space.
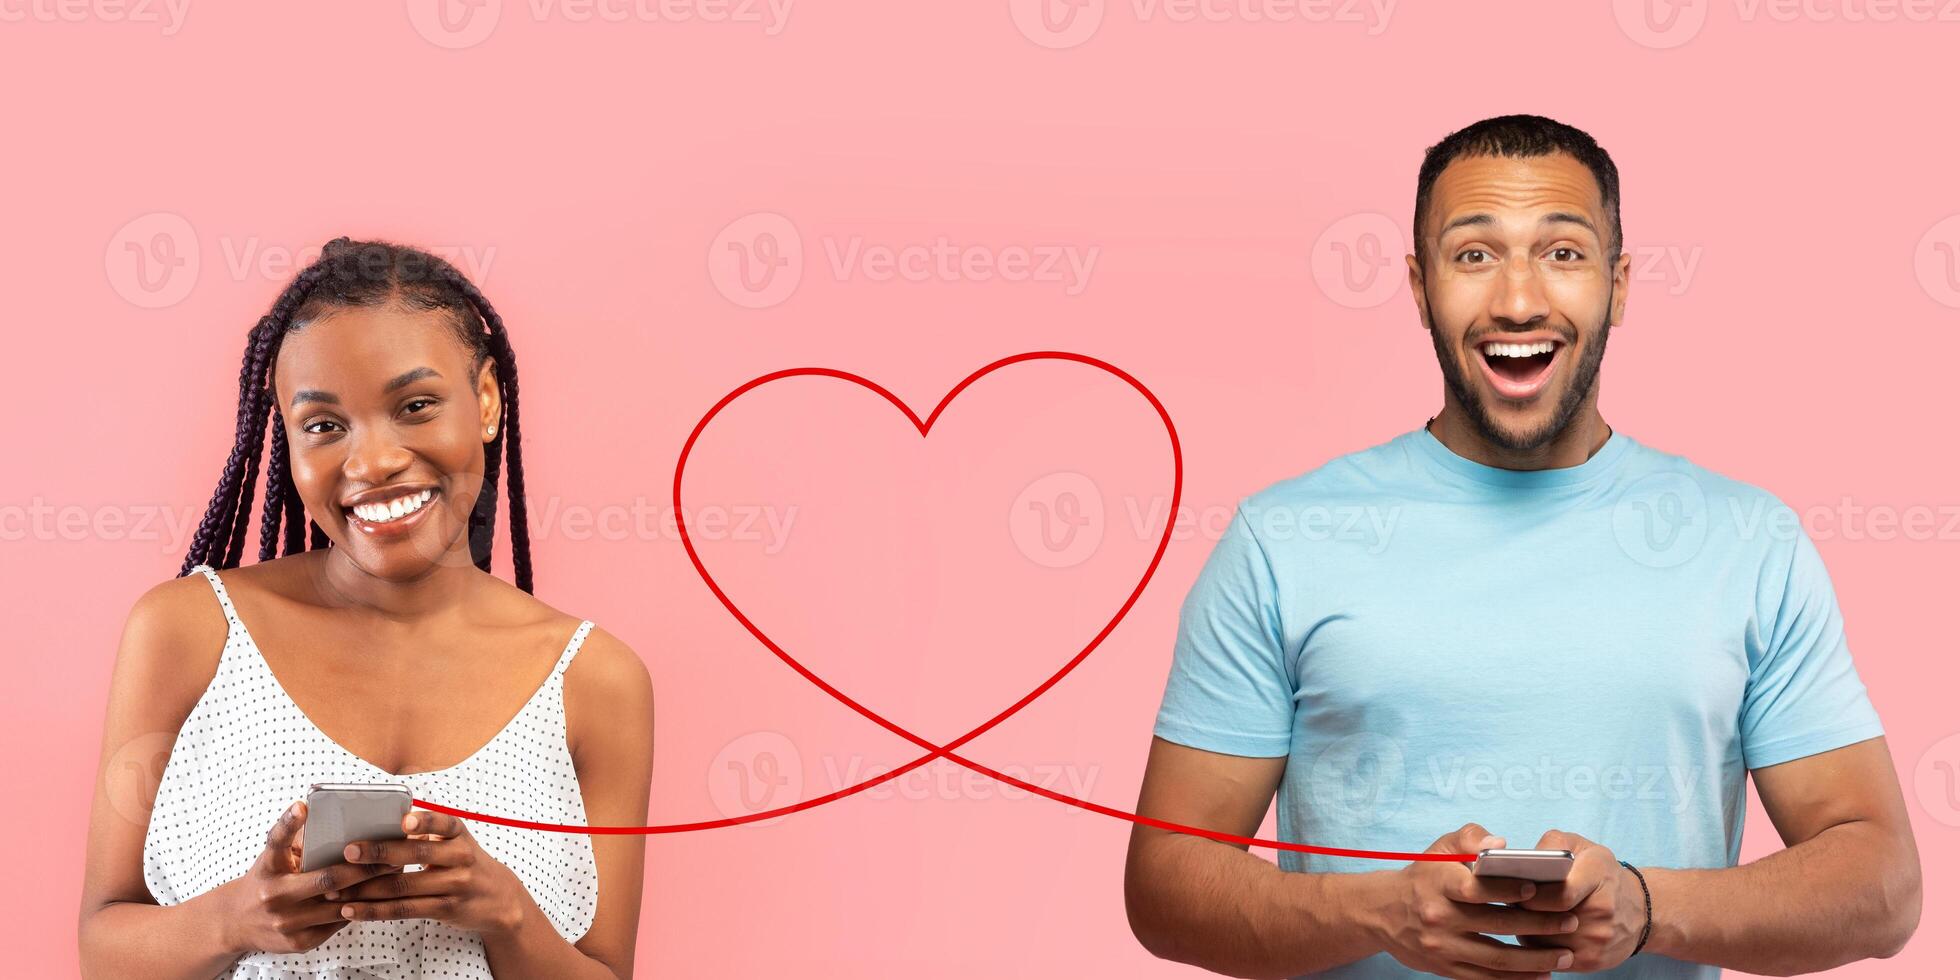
1522, 862
338, 814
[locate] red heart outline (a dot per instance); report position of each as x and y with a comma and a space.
932, 750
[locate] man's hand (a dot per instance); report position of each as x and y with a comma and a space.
1436, 912
1605, 896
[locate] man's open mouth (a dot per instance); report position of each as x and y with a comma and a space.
1519, 370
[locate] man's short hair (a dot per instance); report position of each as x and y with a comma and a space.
1521, 136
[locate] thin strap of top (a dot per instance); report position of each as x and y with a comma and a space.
572, 647
218, 586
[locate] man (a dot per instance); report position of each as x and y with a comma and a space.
1558, 637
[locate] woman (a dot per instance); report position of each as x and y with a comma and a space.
378, 649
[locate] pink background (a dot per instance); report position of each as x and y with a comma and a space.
1794, 322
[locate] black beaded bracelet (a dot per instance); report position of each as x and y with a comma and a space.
1647, 898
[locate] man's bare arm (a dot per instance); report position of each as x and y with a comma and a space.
1215, 905
1845, 887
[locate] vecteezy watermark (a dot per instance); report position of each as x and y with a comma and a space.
1059, 520
757, 772
1662, 24
457, 24
1662, 519
1067, 23
170, 527
168, 15
758, 259
1361, 779
1936, 261
1845, 519
1357, 261
767, 525
155, 260
133, 773
763, 771
1936, 780
1670, 266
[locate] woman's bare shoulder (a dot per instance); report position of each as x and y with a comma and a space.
172, 641
608, 690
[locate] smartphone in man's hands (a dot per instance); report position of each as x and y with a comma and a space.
1530, 864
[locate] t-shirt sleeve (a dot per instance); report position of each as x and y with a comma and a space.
1803, 695
1229, 689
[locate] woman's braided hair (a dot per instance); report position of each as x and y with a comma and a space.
357, 274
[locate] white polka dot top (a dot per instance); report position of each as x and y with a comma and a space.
247, 751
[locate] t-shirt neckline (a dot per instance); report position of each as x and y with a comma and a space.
1600, 463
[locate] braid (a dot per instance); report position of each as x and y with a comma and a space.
352, 273
261, 403
277, 485
230, 503
504, 442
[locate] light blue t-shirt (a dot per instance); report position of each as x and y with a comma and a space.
1601, 649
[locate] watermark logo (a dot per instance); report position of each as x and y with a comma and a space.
168, 15
1660, 24
757, 772
1359, 779
1936, 780
1936, 262
1661, 520
134, 773
757, 260
1057, 521
458, 24
1057, 23
157, 259
1357, 262
153, 260
1068, 23
1456, 778
454, 24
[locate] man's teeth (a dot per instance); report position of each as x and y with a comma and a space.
393, 510
1519, 350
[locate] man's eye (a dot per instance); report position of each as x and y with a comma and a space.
1573, 254
1470, 252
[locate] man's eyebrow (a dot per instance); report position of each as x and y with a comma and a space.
1549, 218
400, 381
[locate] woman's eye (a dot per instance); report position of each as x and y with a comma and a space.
311, 427
418, 401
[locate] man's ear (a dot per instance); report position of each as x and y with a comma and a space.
1415, 289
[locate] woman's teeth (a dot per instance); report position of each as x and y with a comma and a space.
393, 510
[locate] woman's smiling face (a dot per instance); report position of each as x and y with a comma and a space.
385, 431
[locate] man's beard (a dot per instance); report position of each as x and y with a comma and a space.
1583, 379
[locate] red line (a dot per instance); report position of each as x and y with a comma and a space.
934, 751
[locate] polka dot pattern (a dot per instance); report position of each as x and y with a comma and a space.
247, 751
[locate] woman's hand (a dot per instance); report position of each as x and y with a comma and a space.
459, 884
275, 907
